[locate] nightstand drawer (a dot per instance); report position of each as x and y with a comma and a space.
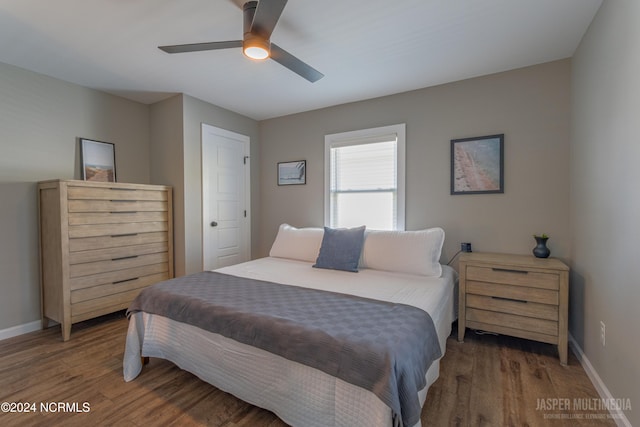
517, 307
513, 276
543, 296
541, 326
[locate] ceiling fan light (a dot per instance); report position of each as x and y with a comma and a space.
255, 52
255, 48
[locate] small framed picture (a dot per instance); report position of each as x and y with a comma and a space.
477, 165
292, 173
98, 160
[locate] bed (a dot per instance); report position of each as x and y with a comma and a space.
396, 267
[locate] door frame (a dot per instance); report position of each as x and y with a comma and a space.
246, 229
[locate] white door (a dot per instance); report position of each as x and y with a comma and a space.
226, 225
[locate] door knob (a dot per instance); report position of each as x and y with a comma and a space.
214, 224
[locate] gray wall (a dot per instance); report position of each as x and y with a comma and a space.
530, 106
197, 112
40, 121
167, 164
605, 206
176, 160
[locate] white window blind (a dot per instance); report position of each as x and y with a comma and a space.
365, 178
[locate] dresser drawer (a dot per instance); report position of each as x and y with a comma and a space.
116, 253
108, 304
114, 277
115, 241
116, 206
115, 264
100, 291
84, 218
541, 326
543, 296
517, 307
78, 231
513, 276
106, 193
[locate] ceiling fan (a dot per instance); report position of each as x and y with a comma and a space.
260, 18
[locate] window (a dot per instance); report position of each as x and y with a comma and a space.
364, 178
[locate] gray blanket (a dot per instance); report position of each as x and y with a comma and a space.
383, 347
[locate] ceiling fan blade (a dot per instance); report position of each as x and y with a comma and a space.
196, 47
266, 17
289, 61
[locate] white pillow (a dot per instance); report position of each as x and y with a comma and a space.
413, 252
297, 243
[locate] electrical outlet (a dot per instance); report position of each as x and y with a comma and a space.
465, 247
602, 333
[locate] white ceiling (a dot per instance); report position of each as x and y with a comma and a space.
365, 48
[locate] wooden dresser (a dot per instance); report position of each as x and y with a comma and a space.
100, 244
516, 295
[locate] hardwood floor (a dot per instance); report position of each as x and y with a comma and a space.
486, 381
494, 380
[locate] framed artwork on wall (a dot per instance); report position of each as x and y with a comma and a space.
477, 165
98, 160
292, 173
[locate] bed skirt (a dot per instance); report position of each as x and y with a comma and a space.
298, 394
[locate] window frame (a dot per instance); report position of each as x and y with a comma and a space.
368, 136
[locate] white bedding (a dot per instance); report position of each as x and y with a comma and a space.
300, 395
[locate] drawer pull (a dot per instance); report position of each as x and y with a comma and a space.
123, 212
125, 280
122, 201
123, 189
506, 270
124, 235
510, 299
124, 257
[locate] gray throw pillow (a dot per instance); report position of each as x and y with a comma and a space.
341, 248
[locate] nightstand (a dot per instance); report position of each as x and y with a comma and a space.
516, 295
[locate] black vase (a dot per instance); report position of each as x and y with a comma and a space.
541, 250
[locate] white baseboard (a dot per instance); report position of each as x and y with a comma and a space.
14, 331
617, 414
